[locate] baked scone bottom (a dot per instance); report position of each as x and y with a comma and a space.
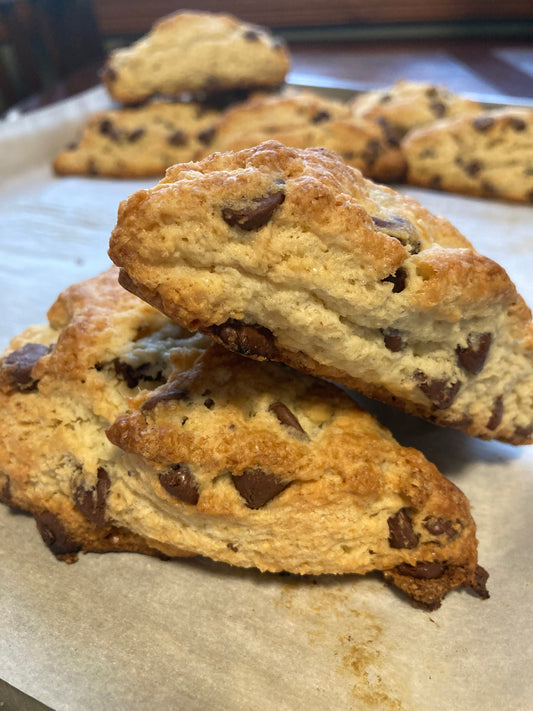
212, 454
291, 255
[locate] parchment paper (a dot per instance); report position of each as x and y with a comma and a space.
126, 632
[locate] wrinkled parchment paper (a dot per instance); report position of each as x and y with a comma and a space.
126, 632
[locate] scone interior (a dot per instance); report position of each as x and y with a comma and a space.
209, 453
291, 255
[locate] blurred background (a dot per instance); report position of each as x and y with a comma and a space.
50, 49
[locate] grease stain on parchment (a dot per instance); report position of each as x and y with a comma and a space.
354, 637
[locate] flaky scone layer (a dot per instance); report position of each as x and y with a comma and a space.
291, 255
210, 453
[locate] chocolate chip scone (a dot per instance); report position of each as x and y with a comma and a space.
196, 53
138, 142
305, 120
61, 385
210, 453
489, 155
291, 255
407, 105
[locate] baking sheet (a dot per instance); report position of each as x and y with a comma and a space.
126, 632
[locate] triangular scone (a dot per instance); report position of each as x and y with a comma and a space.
61, 385
199, 53
248, 463
291, 255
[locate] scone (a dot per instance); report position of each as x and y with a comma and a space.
138, 142
196, 53
489, 155
291, 255
407, 105
249, 463
304, 120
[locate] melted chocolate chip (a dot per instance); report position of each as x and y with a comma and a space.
180, 482
398, 279
207, 135
473, 357
321, 116
92, 501
178, 138
131, 375
424, 570
257, 487
483, 123
286, 417
479, 587
441, 392
441, 527
108, 129
401, 229
246, 339
18, 365
255, 213
54, 534
165, 396
496, 414
393, 339
136, 135
401, 531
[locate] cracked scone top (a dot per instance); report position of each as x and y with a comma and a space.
291, 255
196, 52
213, 454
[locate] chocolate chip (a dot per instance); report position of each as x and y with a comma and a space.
393, 339
371, 152
107, 128
424, 570
246, 339
251, 35
431, 92
165, 396
517, 123
257, 487
489, 190
178, 138
479, 587
321, 116
392, 136
401, 229
92, 501
398, 279
209, 403
286, 417
473, 357
135, 135
435, 183
401, 531
441, 391
180, 482
131, 375
207, 135
19, 364
255, 213
385, 99
54, 534
483, 123
524, 432
437, 108
441, 527
471, 168
232, 547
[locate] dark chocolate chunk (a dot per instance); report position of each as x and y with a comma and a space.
483, 123
209, 403
398, 279
401, 531
286, 417
401, 229
178, 138
207, 135
321, 116
165, 396
479, 586
246, 339
92, 501
424, 570
255, 213
473, 357
441, 392
441, 527
393, 339
54, 534
180, 482
18, 365
257, 487
131, 375
135, 135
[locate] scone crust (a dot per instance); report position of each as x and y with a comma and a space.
341, 277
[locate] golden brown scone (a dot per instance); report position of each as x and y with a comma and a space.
138, 142
291, 255
304, 120
196, 53
210, 453
407, 105
489, 155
